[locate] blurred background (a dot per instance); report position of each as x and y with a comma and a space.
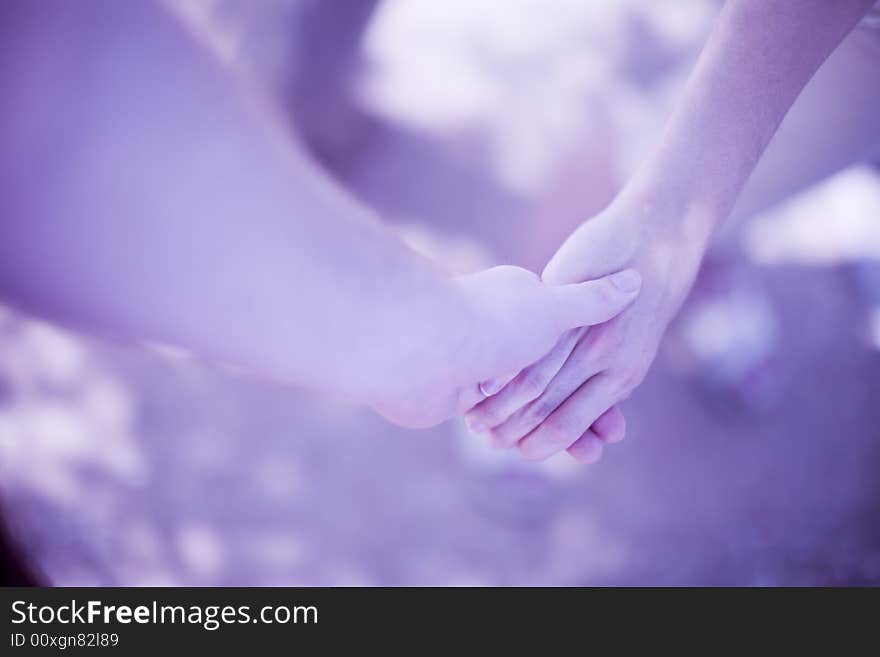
484, 132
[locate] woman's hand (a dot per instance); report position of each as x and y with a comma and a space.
499, 321
567, 400
753, 67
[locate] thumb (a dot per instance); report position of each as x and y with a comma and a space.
600, 246
596, 301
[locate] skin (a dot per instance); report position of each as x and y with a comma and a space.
760, 56
148, 195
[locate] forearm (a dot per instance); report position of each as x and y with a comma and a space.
758, 59
156, 200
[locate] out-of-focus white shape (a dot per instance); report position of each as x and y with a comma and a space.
442, 63
107, 408
69, 417
836, 221
200, 549
106, 402
733, 333
518, 70
476, 453
56, 428
562, 466
528, 74
57, 354
678, 21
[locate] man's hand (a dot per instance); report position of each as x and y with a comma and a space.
511, 319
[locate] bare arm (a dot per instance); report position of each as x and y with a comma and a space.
150, 188
757, 60
147, 194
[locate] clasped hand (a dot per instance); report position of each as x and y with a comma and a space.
555, 356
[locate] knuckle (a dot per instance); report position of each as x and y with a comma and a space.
592, 358
540, 409
558, 430
629, 378
603, 294
508, 433
488, 414
530, 384
599, 343
610, 340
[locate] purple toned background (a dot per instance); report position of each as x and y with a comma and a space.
484, 132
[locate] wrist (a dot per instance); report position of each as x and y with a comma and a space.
667, 235
667, 203
426, 332
669, 223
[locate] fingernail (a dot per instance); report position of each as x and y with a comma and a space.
628, 280
490, 386
473, 424
615, 438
